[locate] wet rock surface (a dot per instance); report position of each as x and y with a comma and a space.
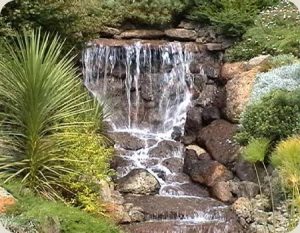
172, 146
138, 181
128, 141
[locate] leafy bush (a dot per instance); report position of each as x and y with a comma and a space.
275, 117
79, 21
283, 78
34, 213
93, 166
256, 150
276, 31
232, 16
38, 91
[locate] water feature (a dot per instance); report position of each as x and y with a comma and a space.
149, 87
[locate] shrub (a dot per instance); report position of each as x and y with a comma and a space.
33, 213
79, 21
89, 157
38, 91
275, 31
287, 160
275, 117
256, 150
283, 78
232, 16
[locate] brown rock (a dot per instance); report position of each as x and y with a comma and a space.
214, 46
257, 61
109, 32
217, 138
240, 77
127, 141
199, 151
222, 191
118, 213
231, 70
6, 200
142, 34
245, 171
238, 91
193, 121
244, 189
207, 172
165, 149
138, 181
181, 34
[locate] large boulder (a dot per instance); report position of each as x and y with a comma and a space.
217, 138
240, 77
165, 149
127, 141
181, 34
238, 91
139, 181
6, 200
231, 70
205, 171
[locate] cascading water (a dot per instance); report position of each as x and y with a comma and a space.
162, 68
149, 87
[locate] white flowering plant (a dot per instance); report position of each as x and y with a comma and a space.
276, 31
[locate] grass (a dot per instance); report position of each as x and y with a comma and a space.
36, 211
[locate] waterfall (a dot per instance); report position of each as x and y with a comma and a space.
149, 87
154, 78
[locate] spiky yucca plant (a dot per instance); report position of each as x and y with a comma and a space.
39, 90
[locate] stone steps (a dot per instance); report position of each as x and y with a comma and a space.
164, 214
181, 227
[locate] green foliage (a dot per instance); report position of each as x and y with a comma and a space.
276, 31
35, 212
38, 91
279, 61
232, 16
256, 150
275, 117
146, 12
77, 21
93, 166
287, 160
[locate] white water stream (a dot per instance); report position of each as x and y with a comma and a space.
146, 74
172, 95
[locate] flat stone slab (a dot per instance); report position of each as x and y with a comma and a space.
176, 227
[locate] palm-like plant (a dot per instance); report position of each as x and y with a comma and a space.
39, 90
